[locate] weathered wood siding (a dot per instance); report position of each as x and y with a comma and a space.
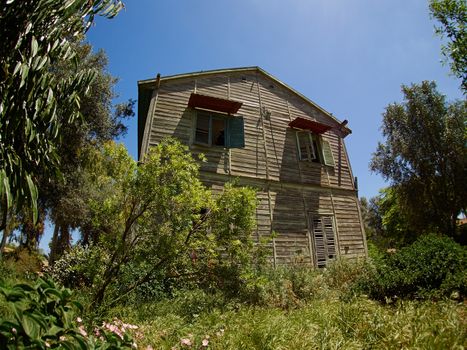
290, 191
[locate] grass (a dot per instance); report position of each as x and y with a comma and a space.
326, 323
295, 309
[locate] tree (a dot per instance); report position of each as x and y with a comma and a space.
452, 15
386, 221
157, 217
63, 196
35, 36
371, 217
425, 157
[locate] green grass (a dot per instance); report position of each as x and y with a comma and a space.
327, 323
294, 309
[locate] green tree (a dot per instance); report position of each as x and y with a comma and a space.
157, 218
393, 218
63, 196
425, 157
371, 217
452, 15
35, 36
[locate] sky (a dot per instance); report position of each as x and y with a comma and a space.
348, 56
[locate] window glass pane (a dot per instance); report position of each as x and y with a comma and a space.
218, 132
202, 128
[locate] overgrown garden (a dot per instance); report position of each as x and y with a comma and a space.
164, 262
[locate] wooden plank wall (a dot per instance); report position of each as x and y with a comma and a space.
290, 191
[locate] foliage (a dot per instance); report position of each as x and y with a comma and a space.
452, 15
44, 316
156, 223
144, 214
371, 217
80, 267
23, 264
225, 257
386, 223
433, 266
425, 157
64, 196
322, 322
37, 34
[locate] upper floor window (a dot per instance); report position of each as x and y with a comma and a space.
312, 148
212, 129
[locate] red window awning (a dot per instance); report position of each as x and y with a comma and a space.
307, 124
214, 103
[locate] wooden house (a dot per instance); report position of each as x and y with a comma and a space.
253, 127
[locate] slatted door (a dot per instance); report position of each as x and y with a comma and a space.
324, 239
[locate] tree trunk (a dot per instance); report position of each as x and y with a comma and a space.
4, 227
60, 242
32, 233
6, 233
54, 244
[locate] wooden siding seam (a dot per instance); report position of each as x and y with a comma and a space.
307, 218
335, 214
262, 127
267, 168
274, 248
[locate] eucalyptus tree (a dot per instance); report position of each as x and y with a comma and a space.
100, 121
424, 156
36, 34
452, 16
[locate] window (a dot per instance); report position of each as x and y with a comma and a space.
324, 240
312, 148
213, 129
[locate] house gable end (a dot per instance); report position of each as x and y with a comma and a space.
303, 105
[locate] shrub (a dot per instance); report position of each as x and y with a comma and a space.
284, 287
81, 266
433, 266
342, 274
21, 263
44, 316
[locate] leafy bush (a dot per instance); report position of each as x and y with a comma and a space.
433, 266
21, 263
81, 266
44, 316
284, 287
342, 274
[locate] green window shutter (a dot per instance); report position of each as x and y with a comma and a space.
236, 132
327, 153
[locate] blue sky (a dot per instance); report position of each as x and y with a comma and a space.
348, 56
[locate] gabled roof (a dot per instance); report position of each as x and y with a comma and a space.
144, 86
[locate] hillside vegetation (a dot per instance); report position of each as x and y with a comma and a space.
350, 305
